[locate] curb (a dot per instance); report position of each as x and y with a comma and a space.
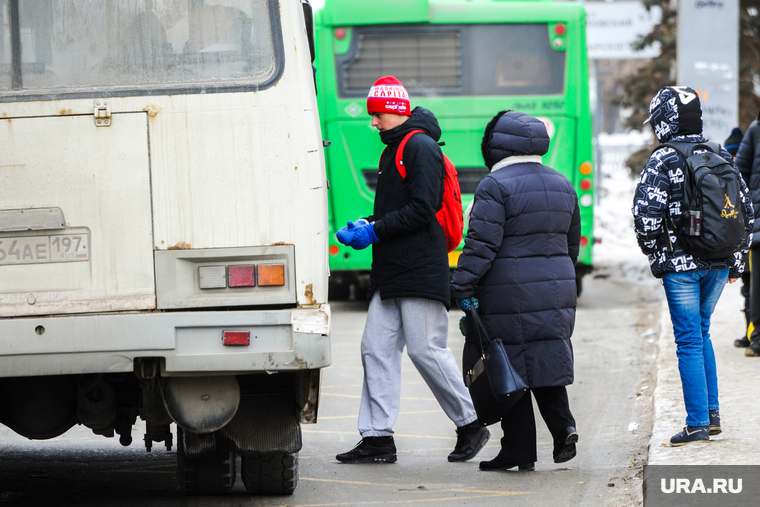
738, 380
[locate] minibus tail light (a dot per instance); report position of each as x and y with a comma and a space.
242, 276
237, 338
271, 275
212, 277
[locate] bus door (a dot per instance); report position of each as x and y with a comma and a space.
76, 206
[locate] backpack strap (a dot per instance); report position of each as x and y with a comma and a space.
400, 152
685, 149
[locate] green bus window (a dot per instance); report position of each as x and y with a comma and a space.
489, 59
514, 59
144, 43
422, 59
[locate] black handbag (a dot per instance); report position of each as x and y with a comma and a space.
494, 384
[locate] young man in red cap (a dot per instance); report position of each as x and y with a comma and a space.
409, 283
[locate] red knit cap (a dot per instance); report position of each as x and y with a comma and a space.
388, 95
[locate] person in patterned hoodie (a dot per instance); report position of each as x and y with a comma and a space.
692, 285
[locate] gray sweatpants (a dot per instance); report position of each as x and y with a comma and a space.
422, 325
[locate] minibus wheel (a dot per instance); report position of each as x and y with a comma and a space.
270, 473
210, 473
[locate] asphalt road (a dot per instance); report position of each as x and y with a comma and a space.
610, 399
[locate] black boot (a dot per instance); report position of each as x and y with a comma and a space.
371, 450
470, 440
564, 449
499, 463
741, 343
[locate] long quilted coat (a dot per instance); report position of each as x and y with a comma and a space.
520, 252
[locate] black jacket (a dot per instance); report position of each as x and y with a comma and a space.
411, 258
748, 162
520, 251
659, 194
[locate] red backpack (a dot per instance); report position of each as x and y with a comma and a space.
450, 214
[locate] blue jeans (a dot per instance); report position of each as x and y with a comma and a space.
692, 296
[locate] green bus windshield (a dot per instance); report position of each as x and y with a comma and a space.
464, 60
454, 60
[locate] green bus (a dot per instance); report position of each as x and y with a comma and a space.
464, 60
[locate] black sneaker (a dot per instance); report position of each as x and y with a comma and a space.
691, 435
565, 450
753, 350
371, 450
741, 343
470, 440
714, 422
498, 464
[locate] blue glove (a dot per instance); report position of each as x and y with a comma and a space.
463, 325
467, 304
364, 236
346, 234
357, 235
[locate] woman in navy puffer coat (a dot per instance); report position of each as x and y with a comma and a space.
518, 261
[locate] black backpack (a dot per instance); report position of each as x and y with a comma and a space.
712, 223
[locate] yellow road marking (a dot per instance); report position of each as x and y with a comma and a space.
476, 494
388, 502
404, 452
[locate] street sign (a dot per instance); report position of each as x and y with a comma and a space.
612, 27
708, 61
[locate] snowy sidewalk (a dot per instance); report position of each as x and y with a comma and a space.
738, 382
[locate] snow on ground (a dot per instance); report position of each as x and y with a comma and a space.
618, 255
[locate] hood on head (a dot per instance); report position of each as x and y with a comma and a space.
675, 111
511, 133
732, 142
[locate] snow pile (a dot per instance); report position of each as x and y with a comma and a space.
618, 255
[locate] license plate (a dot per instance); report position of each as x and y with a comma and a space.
44, 249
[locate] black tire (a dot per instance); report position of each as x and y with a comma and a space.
208, 474
270, 474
